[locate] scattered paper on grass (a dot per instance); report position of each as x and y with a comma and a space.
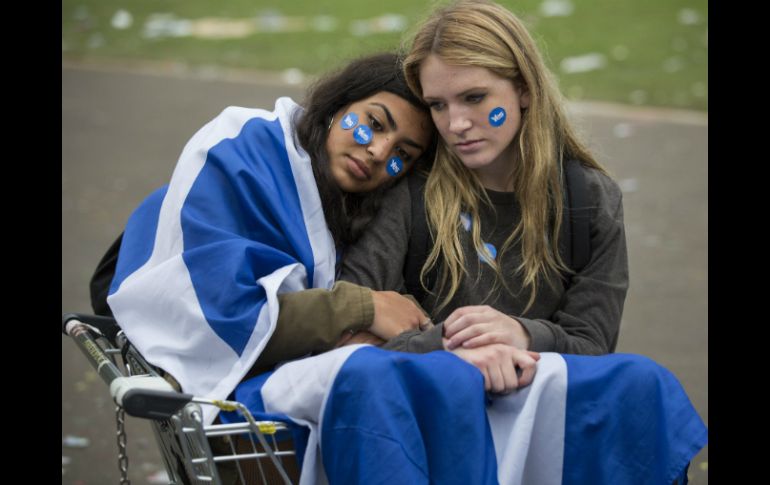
122, 19
556, 8
688, 16
584, 63
293, 76
160, 25
166, 25
216, 28
378, 25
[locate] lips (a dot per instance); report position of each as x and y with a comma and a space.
468, 146
359, 169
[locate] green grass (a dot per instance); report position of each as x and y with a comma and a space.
653, 59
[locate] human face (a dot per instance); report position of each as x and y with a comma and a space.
398, 130
461, 99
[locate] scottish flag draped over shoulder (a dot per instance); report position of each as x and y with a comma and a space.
381, 417
203, 260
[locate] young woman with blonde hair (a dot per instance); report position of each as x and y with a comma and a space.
499, 270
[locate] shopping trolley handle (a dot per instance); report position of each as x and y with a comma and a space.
106, 325
148, 397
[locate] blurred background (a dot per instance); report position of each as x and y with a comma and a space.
140, 77
650, 53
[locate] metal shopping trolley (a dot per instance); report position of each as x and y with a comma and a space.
249, 452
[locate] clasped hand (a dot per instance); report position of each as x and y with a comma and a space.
476, 326
393, 314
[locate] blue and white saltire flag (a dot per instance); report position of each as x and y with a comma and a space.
203, 260
378, 417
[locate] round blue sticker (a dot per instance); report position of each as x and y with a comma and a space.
465, 220
349, 121
362, 135
491, 250
497, 116
395, 165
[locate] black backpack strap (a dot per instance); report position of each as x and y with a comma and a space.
576, 222
102, 279
420, 240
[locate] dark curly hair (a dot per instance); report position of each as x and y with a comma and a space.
347, 214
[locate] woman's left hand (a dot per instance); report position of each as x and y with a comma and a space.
474, 326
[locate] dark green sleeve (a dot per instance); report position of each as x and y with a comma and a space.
312, 321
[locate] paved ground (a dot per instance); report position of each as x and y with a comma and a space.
123, 131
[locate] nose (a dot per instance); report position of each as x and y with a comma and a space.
459, 122
380, 147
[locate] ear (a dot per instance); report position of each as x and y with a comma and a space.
523, 98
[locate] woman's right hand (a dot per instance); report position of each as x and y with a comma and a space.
394, 314
499, 364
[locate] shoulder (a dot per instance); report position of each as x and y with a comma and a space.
604, 192
399, 196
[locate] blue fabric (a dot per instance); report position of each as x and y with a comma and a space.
393, 417
233, 237
138, 237
628, 422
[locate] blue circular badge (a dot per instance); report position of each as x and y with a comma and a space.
491, 251
497, 116
465, 220
349, 121
362, 135
395, 165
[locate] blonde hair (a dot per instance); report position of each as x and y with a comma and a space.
484, 34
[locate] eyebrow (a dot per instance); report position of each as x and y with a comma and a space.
460, 94
394, 127
391, 121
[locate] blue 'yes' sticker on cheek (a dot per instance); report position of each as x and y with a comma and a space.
349, 121
362, 135
395, 165
497, 117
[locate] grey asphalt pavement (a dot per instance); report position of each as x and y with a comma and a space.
122, 132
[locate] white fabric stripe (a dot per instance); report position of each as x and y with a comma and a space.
528, 427
321, 240
300, 389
